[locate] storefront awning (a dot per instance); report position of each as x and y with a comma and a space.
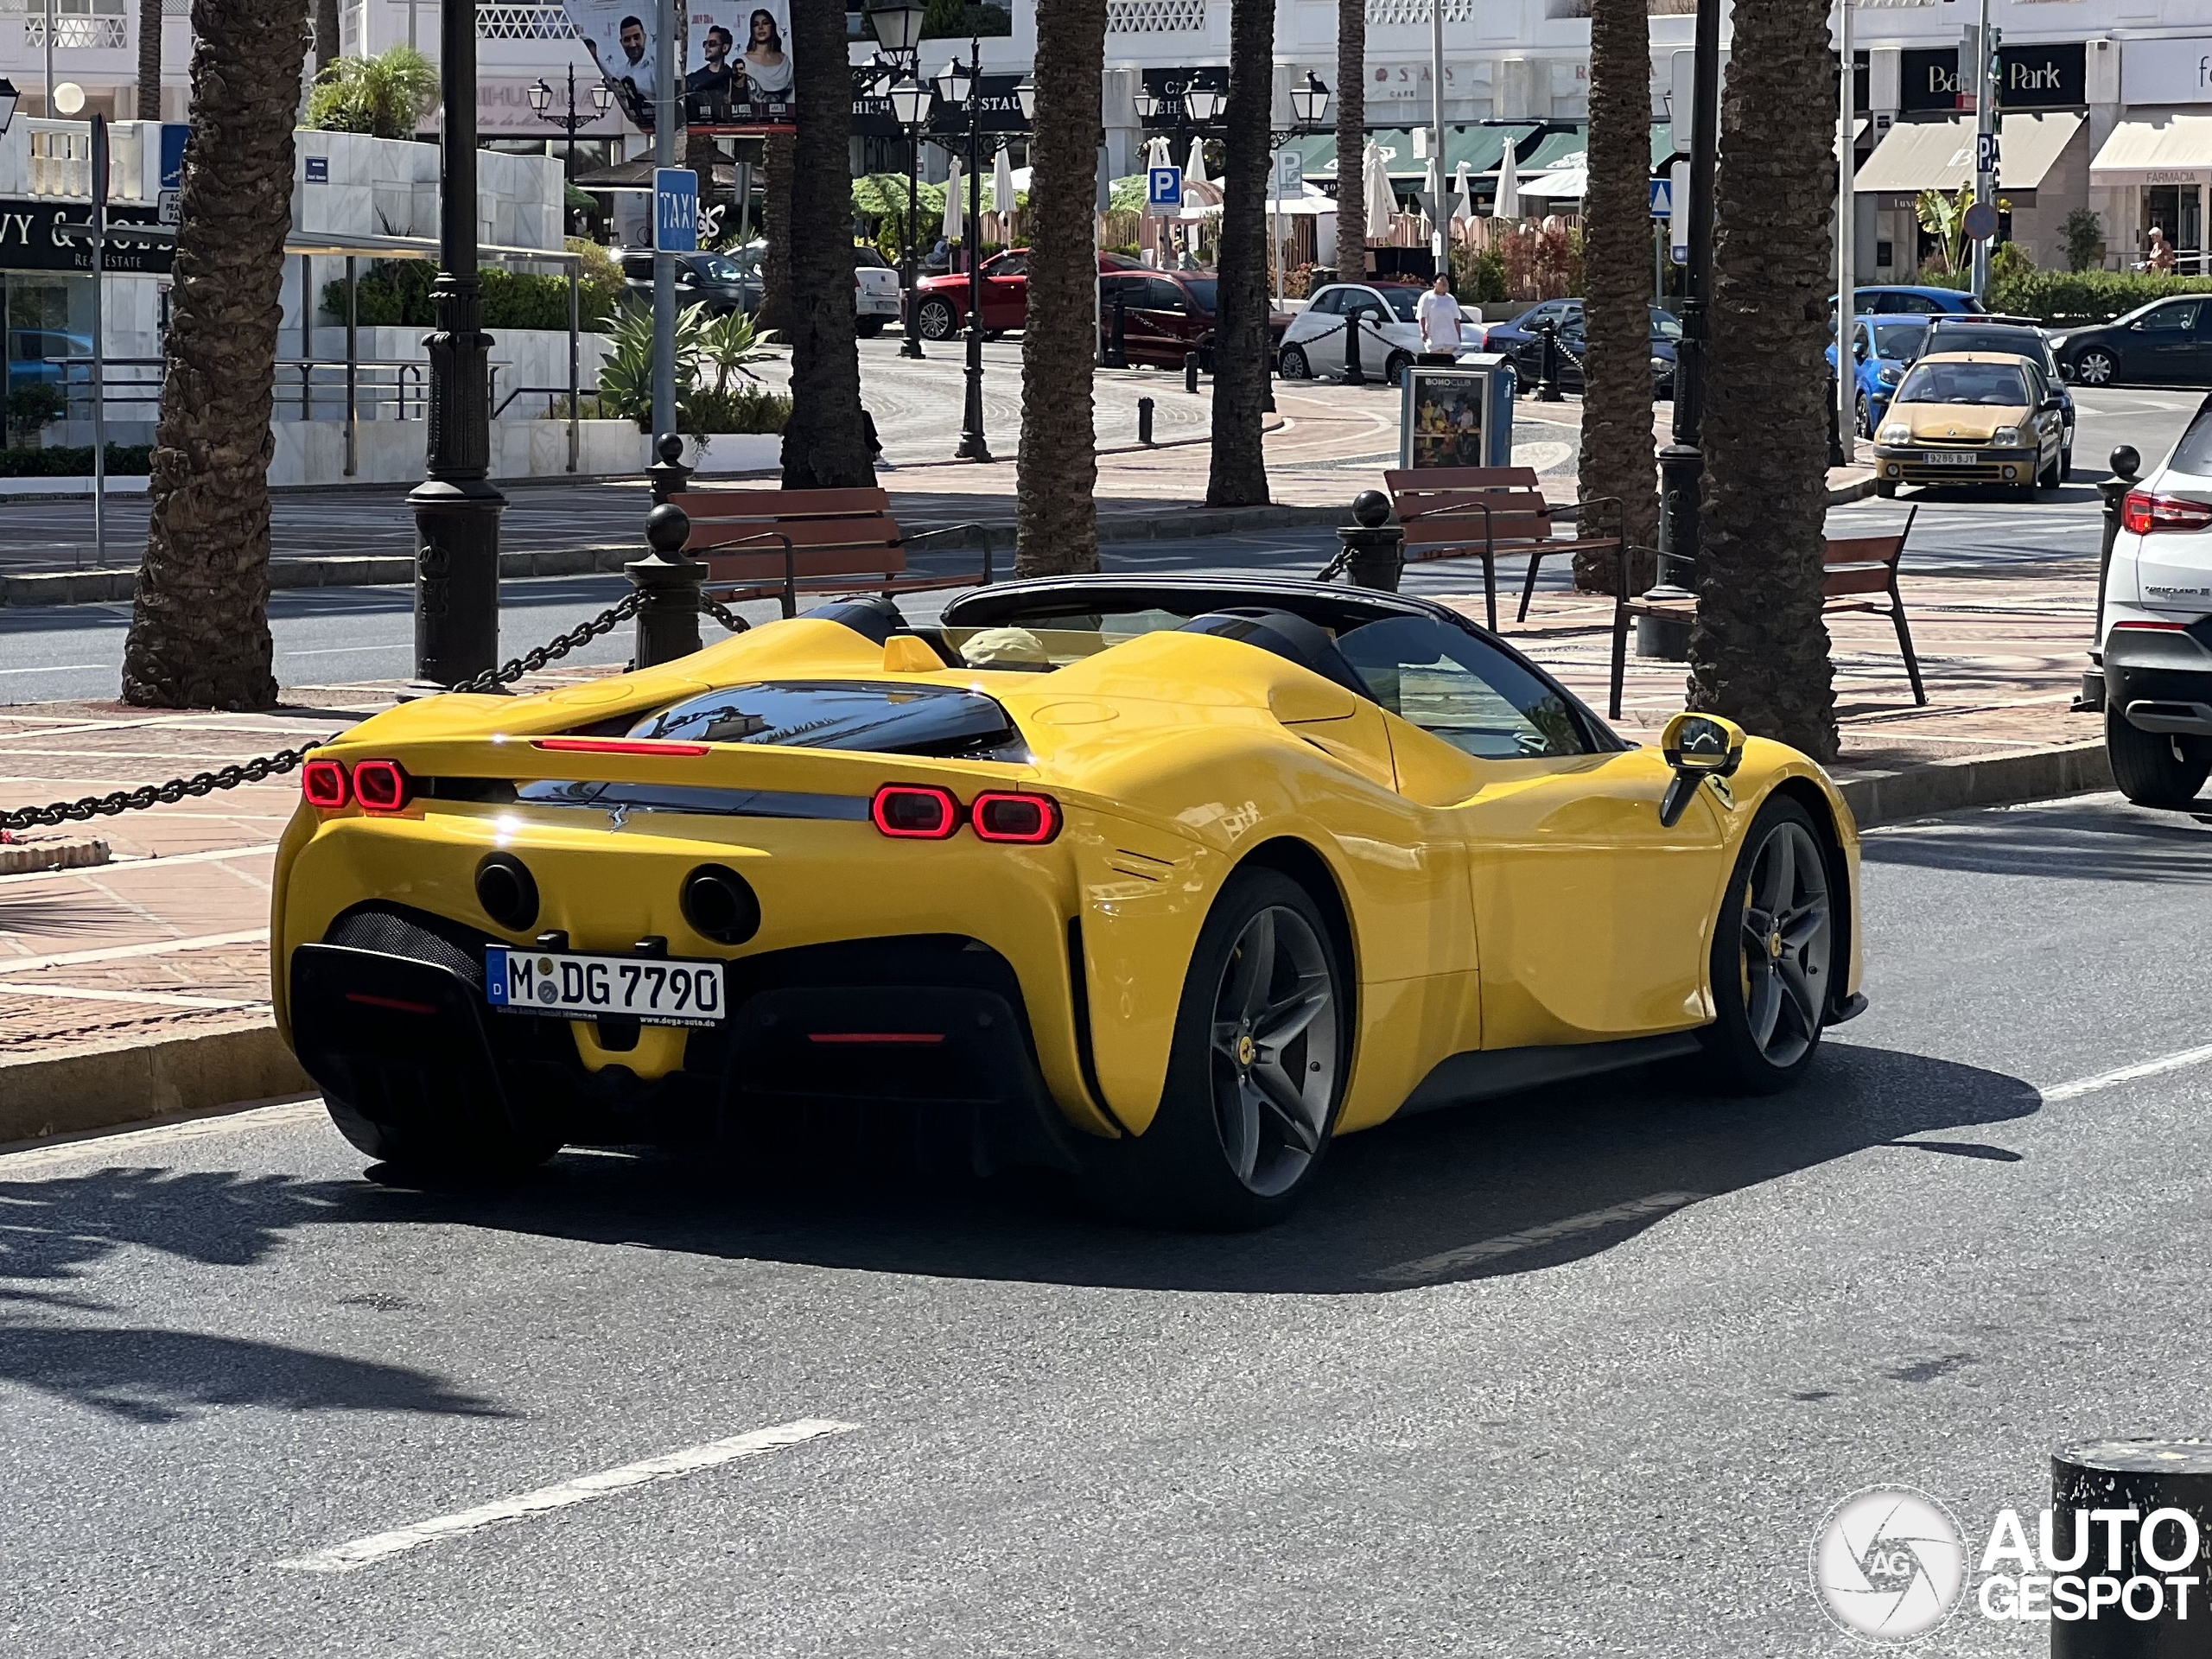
1918, 155
2156, 150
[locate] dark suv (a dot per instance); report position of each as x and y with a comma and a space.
2020, 337
714, 280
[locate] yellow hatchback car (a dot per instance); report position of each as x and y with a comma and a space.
1972, 417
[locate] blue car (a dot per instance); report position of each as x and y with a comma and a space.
1891, 299
1886, 347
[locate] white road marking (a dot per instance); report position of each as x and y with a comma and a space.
59, 668
132, 861
123, 952
1529, 1238
2174, 1062
159, 998
345, 1558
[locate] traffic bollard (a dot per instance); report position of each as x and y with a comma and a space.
668, 620
2124, 1515
1117, 352
669, 475
2126, 468
1144, 421
1354, 375
1190, 372
1375, 548
1547, 381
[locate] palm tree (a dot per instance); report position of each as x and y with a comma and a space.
1759, 650
775, 230
1239, 475
824, 444
1351, 139
1617, 446
1058, 511
150, 60
325, 33
199, 629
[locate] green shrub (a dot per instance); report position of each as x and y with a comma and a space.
739, 408
2085, 241
396, 293
75, 460
1478, 276
389, 96
33, 406
2069, 298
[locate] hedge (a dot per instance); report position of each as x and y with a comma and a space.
2061, 298
75, 460
396, 293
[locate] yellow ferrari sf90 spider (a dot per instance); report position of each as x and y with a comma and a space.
1167, 882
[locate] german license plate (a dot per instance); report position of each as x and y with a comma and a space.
653, 989
1949, 458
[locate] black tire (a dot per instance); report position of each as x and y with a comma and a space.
2053, 476
2066, 463
1293, 365
1226, 1151
1394, 367
1866, 414
448, 1152
1774, 954
1885, 488
2096, 367
937, 320
2155, 768
868, 328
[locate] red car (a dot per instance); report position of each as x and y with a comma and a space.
943, 299
1167, 314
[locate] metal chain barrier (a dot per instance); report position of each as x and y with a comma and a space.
722, 613
531, 661
1336, 566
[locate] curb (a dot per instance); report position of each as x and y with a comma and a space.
104, 1085
1881, 798
1862, 491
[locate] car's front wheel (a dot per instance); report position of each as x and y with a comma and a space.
2096, 367
1774, 956
868, 328
1262, 1045
938, 320
2155, 768
1293, 365
1394, 367
1865, 417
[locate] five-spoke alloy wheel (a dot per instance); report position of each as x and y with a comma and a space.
1773, 954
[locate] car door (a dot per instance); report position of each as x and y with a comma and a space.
1006, 292
1592, 920
1322, 339
1368, 312
1167, 318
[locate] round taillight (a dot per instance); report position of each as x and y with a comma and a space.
721, 905
915, 811
380, 786
507, 891
322, 785
1030, 819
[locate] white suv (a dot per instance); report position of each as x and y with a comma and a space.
2158, 623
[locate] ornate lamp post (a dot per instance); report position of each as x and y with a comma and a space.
897, 25
1186, 114
456, 507
541, 100
962, 85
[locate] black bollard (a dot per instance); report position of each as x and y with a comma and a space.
1190, 372
2126, 1573
2126, 468
1377, 547
1548, 380
669, 475
1354, 375
1835, 427
1144, 421
668, 621
1117, 351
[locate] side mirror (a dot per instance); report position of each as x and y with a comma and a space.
1858, 349
1697, 747
2055, 402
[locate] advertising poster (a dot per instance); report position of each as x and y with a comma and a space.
622, 38
1446, 411
741, 59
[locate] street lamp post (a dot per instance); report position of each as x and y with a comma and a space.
962, 85
541, 100
1309, 105
1187, 113
898, 26
456, 507
1682, 463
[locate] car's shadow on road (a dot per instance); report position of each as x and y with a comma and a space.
2064, 840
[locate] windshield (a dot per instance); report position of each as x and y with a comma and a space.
1405, 302
931, 720
1900, 342
1989, 386
717, 268
1665, 325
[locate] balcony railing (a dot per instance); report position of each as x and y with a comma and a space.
78, 33
510, 23
1155, 16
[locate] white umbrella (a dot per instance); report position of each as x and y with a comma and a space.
1508, 205
1382, 200
1156, 154
1565, 183
954, 204
1194, 170
1463, 187
1002, 183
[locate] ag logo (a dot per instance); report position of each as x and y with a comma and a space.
1889, 1563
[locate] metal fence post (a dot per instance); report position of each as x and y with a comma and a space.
1374, 548
668, 618
669, 475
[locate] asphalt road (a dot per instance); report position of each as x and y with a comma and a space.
1385, 1428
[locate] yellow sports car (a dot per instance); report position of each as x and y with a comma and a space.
1164, 882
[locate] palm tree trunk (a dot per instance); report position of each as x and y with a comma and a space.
325, 33
824, 446
1239, 476
1351, 139
150, 60
1759, 651
1618, 447
199, 629
1059, 468
775, 231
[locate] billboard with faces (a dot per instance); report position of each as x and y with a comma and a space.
734, 71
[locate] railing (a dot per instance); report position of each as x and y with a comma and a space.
1155, 16
78, 33
554, 396
1384, 13
524, 22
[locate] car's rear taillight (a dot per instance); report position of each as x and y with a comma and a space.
381, 786
1030, 819
323, 785
619, 745
915, 811
2144, 513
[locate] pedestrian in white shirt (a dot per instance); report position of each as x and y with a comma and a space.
1440, 316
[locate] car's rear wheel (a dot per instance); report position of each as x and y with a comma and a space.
1261, 1048
1294, 365
937, 320
1773, 956
442, 1151
2096, 367
868, 328
2155, 768
1865, 417
1394, 367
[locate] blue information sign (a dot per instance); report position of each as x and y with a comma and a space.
1163, 188
675, 210
1663, 198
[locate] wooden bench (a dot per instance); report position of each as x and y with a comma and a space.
785, 542
1861, 575
1488, 513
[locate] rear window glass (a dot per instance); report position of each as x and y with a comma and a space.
2193, 455
1897, 341
1205, 293
926, 720
1944, 337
